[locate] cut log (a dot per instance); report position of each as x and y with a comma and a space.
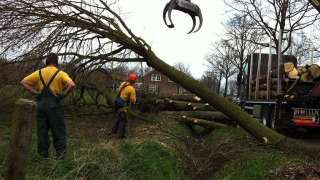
263, 94
174, 105
200, 122
314, 71
206, 115
157, 105
306, 77
189, 98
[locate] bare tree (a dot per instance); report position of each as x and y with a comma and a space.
221, 60
243, 39
183, 68
303, 48
210, 79
232, 91
86, 34
278, 18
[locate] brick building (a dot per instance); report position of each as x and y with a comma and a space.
157, 83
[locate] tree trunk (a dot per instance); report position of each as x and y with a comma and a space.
206, 115
188, 98
174, 105
219, 82
20, 142
226, 87
231, 110
239, 83
200, 122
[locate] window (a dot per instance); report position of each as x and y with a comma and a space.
153, 88
155, 77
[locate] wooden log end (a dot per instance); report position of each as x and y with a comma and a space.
197, 98
265, 140
23, 101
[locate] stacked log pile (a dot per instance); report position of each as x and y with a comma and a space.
307, 73
293, 75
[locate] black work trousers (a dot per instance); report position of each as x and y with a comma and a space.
50, 116
121, 124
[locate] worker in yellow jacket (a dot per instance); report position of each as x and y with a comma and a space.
50, 85
126, 97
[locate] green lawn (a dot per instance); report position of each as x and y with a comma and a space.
150, 152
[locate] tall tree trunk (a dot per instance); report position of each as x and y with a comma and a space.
219, 82
231, 110
239, 81
226, 87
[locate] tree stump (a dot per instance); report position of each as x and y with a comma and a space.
22, 122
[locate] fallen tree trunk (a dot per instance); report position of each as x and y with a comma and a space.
200, 122
206, 115
175, 105
231, 110
189, 98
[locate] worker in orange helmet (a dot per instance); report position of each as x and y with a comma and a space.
126, 98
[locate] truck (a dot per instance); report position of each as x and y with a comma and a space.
295, 104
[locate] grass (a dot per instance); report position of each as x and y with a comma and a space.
83, 161
149, 160
147, 155
255, 165
88, 159
250, 160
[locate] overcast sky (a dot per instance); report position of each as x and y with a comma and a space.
144, 17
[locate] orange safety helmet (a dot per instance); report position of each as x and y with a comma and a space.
132, 77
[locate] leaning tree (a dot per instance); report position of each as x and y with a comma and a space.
89, 33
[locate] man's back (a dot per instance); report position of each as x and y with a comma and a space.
57, 85
128, 92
